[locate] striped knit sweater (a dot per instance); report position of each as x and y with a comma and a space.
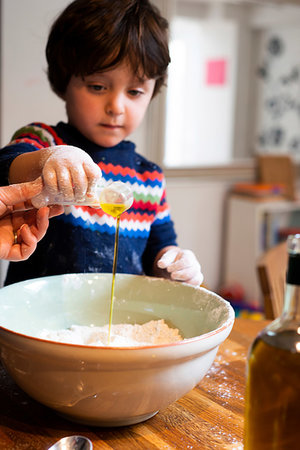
82, 239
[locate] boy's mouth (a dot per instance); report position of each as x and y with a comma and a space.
111, 126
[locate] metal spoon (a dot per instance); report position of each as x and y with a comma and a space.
73, 443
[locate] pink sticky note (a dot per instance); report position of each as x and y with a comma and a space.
216, 72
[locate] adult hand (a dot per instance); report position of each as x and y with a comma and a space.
21, 230
70, 171
181, 265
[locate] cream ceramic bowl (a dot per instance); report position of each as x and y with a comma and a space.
107, 386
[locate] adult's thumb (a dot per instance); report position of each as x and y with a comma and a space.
17, 193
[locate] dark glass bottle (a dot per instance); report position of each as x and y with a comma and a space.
272, 418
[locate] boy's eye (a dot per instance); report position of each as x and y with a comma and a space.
96, 87
135, 92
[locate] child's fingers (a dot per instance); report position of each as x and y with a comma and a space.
184, 259
65, 183
195, 281
71, 172
182, 265
79, 182
167, 258
50, 178
93, 174
191, 275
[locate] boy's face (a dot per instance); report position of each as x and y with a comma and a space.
106, 107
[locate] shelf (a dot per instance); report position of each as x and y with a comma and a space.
252, 227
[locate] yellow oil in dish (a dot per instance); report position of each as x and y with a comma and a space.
114, 210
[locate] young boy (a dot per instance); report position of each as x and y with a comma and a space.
106, 60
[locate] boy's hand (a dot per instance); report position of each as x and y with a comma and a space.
182, 265
70, 171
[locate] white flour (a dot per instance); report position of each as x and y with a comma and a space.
122, 335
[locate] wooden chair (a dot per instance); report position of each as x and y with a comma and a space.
271, 270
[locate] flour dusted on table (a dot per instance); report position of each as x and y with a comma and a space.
155, 332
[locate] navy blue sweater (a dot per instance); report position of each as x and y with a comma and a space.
82, 239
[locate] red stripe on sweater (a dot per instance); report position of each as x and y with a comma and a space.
126, 171
36, 138
131, 215
57, 139
25, 140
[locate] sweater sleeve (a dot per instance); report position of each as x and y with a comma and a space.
31, 137
162, 234
7, 155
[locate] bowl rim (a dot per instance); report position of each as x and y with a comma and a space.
225, 325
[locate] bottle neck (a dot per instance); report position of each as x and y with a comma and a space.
293, 271
291, 308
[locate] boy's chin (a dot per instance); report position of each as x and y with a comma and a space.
105, 141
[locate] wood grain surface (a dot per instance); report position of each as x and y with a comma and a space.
208, 417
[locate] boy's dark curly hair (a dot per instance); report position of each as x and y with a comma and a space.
96, 35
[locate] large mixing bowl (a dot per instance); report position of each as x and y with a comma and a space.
108, 386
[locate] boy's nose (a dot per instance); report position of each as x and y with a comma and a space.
114, 105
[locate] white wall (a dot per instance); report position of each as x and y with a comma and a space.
197, 208
200, 108
25, 94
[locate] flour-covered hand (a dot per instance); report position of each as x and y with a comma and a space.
182, 265
70, 171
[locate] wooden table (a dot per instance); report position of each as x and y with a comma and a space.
208, 417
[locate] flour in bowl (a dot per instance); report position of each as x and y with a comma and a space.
155, 332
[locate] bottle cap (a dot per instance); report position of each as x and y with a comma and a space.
293, 243
293, 272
